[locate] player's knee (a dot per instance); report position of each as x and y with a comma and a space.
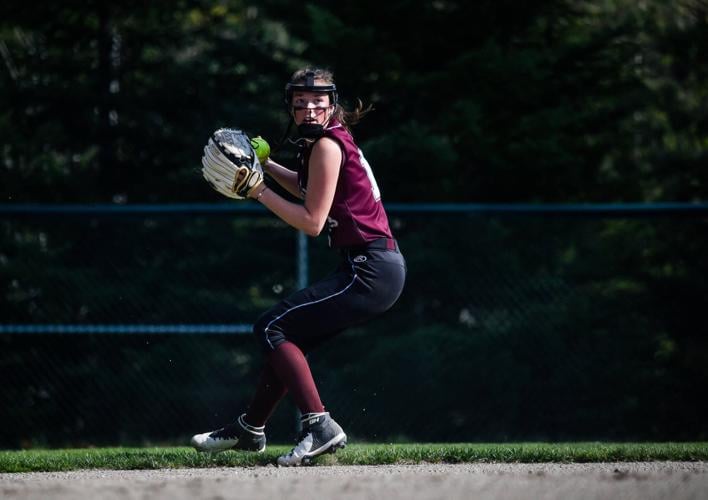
267, 336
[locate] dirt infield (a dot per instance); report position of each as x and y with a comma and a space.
640, 481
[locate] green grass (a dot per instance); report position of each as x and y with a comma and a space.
358, 454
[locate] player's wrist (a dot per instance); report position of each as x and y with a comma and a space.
258, 192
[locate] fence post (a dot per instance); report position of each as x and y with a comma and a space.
302, 263
302, 266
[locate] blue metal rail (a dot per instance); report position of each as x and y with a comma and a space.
500, 209
228, 329
607, 209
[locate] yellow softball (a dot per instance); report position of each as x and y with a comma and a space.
261, 147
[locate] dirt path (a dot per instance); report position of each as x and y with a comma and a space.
630, 481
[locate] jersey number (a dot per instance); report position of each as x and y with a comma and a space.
370, 174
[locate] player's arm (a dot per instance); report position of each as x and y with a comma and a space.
325, 161
284, 176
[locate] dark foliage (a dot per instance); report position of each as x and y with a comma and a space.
509, 329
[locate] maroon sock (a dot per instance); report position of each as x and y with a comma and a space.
293, 370
269, 391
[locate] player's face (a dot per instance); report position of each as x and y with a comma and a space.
311, 107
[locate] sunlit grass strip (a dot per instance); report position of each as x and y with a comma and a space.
359, 454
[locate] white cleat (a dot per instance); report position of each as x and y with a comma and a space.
320, 434
238, 436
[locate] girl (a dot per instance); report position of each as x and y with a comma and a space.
339, 192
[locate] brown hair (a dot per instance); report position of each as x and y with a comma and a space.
345, 117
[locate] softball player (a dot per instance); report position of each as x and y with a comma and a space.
339, 192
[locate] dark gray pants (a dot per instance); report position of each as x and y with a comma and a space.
367, 283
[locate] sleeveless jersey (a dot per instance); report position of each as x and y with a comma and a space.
357, 215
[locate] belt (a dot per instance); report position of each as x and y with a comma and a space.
379, 244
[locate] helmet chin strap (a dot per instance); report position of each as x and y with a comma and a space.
313, 130
310, 130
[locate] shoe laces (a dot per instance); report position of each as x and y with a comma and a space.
231, 431
301, 448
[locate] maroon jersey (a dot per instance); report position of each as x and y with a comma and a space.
357, 215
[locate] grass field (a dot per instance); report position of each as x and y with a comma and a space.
358, 454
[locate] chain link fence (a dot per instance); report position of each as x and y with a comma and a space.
130, 325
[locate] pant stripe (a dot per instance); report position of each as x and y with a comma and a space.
305, 304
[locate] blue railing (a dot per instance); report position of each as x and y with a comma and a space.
228, 329
606, 209
302, 263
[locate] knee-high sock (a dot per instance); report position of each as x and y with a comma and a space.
293, 370
269, 391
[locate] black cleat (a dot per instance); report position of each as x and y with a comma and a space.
320, 434
237, 436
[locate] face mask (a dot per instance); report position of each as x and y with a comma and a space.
311, 130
